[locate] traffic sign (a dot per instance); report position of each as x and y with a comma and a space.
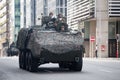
92, 38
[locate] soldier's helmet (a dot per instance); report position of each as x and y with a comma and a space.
60, 15
50, 14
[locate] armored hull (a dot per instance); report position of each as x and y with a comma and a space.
55, 42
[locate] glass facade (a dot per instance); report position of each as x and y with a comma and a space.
33, 12
118, 27
111, 27
17, 18
114, 28
60, 7
87, 30
24, 13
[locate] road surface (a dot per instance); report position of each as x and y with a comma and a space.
92, 70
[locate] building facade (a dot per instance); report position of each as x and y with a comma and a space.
9, 23
33, 10
4, 25
28, 11
101, 21
16, 18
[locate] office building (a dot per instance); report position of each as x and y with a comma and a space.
101, 20
4, 25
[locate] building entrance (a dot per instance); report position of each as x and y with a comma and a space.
112, 48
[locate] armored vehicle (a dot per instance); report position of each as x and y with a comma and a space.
12, 50
43, 44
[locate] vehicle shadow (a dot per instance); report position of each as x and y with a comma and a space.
55, 70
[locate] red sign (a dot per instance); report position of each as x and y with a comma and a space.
102, 47
92, 38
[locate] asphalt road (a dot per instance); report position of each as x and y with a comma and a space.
92, 70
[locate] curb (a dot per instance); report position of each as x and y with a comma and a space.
103, 59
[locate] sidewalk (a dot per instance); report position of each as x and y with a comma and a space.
103, 59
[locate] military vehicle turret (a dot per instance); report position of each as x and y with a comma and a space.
43, 44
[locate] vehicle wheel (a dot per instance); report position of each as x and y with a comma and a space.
32, 63
20, 61
8, 54
11, 53
76, 66
27, 66
23, 63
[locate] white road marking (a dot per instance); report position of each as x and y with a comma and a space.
108, 71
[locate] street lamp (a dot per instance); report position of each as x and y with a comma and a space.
117, 38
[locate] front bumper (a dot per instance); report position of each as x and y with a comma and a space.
71, 56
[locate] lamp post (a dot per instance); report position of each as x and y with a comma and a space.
117, 52
8, 23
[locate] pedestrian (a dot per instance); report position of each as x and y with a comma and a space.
96, 50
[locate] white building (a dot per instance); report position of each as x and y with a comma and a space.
5, 26
101, 19
12, 20
27, 10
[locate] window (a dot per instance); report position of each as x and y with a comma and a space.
17, 20
45, 7
112, 30
45, 11
57, 11
65, 2
17, 3
17, 13
65, 11
61, 10
45, 3
118, 27
87, 30
57, 2
61, 7
61, 2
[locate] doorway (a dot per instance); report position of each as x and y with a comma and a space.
112, 47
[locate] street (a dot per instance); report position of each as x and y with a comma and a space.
93, 69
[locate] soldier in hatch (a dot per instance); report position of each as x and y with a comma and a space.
52, 18
60, 22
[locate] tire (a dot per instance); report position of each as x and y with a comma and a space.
76, 66
20, 61
32, 63
8, 54
27, 66
23, 63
